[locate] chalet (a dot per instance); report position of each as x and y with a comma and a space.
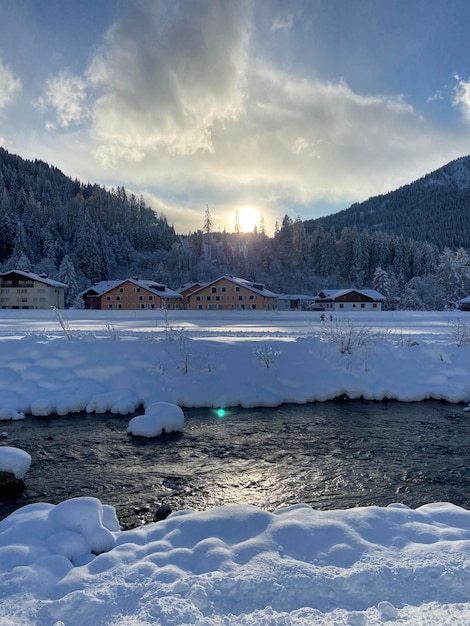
349, 300
186, 289
130, 294
24, 290
228, 292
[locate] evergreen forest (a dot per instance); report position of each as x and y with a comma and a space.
411, 245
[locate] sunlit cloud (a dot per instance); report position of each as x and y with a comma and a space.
66, 94
178, 105
461, 96
166, 75
9, 85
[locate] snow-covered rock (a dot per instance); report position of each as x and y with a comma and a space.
14, 460
159, 417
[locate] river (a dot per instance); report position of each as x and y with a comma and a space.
330, 455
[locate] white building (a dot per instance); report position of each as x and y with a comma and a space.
25, 290
349, 300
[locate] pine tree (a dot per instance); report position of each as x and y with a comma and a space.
68, 276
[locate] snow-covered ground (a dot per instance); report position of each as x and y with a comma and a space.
70, 564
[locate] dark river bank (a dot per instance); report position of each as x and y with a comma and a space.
330, 455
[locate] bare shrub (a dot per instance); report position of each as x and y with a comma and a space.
460, 331
267, 355
348, 337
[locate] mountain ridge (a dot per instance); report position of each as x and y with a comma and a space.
434, 208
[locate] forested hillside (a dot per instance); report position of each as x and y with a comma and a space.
435, 208
73, 231
81, 233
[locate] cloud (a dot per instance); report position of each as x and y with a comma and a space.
461, 96
175, 106
166, 73
66, 94
283, 23
9, 85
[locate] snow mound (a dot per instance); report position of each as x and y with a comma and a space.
159, 417
14, 460
237, 565
38, 534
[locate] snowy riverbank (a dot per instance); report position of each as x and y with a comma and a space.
97, 362
70, 564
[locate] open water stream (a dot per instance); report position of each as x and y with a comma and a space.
330, 455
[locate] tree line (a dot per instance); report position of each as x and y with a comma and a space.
81, 233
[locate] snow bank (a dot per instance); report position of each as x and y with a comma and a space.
404, 357
14, 460
236, 565
34, 537
159, 417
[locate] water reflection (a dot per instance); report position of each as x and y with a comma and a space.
330, 455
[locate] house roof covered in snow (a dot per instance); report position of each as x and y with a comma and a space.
40, 278
294, 296
158, 289
258, 288
334, 294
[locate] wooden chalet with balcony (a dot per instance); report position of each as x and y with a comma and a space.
130, 294
228, 293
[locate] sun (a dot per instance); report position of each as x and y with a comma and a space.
247, 218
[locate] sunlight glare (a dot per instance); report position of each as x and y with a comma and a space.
248, 218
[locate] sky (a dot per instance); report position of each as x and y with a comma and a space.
261, 107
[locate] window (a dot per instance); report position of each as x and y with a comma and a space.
374, 306
137, 289
341, 305
121, 289
253, 306
119, 306
118, 298
237, 288
198, 298
209, 298
222, 289
110, 306
108, 298
241, 297
142, 306
252, 297
219, 307
363, 306
199, 307
150, 298
213, 289
21, 291
141, 297
217, 297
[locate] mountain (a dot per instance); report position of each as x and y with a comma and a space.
434, 208
47, 219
